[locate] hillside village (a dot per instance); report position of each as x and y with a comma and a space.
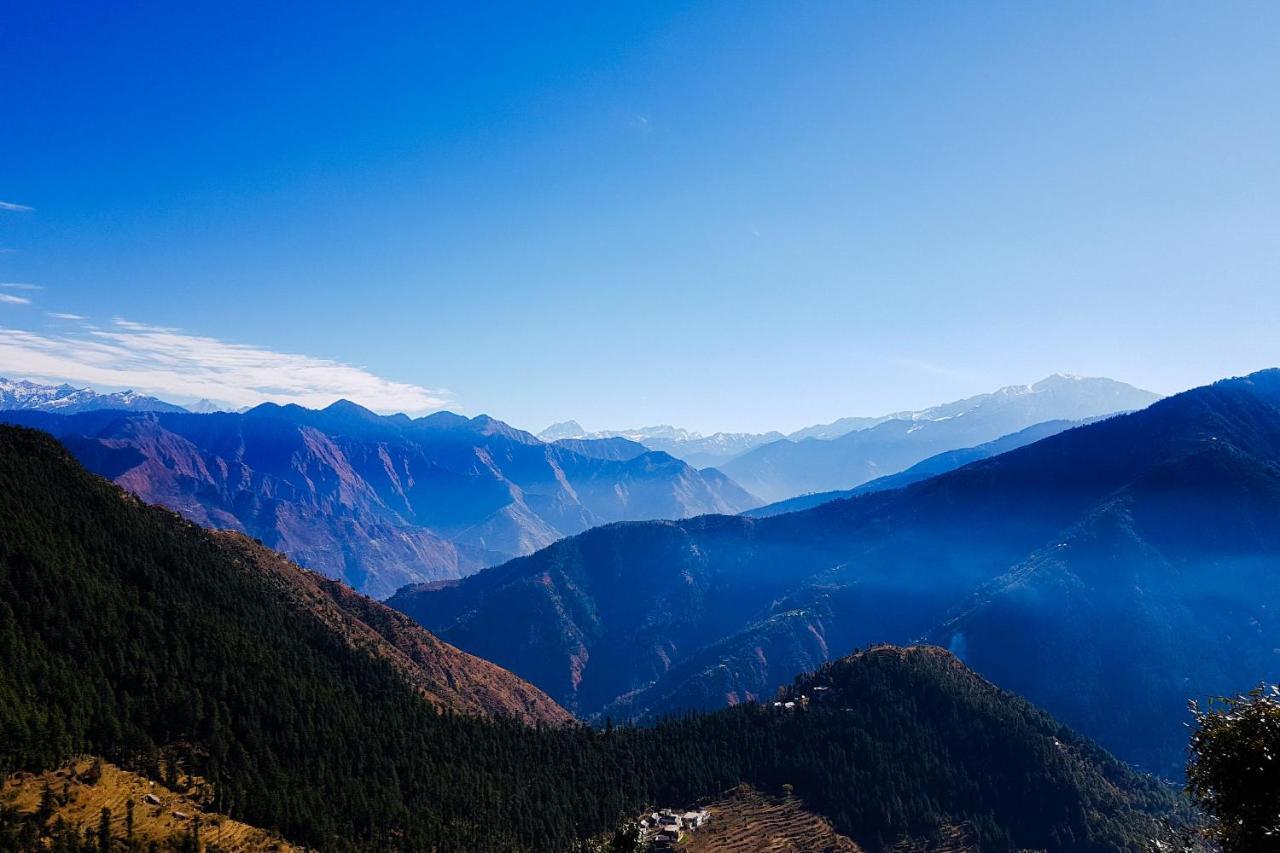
668, 829
663, 830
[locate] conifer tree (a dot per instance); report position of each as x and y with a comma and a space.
104, 830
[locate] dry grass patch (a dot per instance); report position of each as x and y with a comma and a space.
159, 814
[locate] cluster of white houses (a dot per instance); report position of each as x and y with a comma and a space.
802, 701
664, 829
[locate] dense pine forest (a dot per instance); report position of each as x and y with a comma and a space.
129, 633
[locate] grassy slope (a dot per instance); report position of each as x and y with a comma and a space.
163, 823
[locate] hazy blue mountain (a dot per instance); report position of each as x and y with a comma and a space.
603, 448
136, 637
787, 468
698, 450
1057, 398
1108, 572
712, 450
844, 426
563, 430
206, 406
933, 466
381, 501
21, 395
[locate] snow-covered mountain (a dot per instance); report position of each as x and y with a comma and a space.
21, 395
700, 451
783, 469
1059, 396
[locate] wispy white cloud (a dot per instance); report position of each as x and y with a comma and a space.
20, 285
174, 364
10, 299
945, 371
61, 315
8, 205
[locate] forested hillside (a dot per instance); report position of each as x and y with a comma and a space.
131, 634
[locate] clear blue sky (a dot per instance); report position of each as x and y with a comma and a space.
721, 215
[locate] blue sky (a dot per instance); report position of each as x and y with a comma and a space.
721, 215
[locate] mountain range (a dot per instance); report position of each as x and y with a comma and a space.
699, 450
941, 463
382, 501
1108, 572
22, 395
852, 450
783, 469
254, 688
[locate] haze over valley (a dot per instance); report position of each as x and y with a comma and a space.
639, 428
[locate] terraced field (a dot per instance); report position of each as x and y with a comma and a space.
173, 816
748, 821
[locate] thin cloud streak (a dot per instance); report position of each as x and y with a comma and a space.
10, 299
931, 369
172, 363
8, 205
59, 315
20, 285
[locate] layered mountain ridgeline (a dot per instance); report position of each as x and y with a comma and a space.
699, 450
784, 469
181, 655
619, 449
378, 502
1108, 573
931, 467
22, 395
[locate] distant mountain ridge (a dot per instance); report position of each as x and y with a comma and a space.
698, 450
1092, 397
943, 462
787, 468
21, 395
381, 501
1108, 572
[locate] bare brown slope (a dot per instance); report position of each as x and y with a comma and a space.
161, 816
448, 678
